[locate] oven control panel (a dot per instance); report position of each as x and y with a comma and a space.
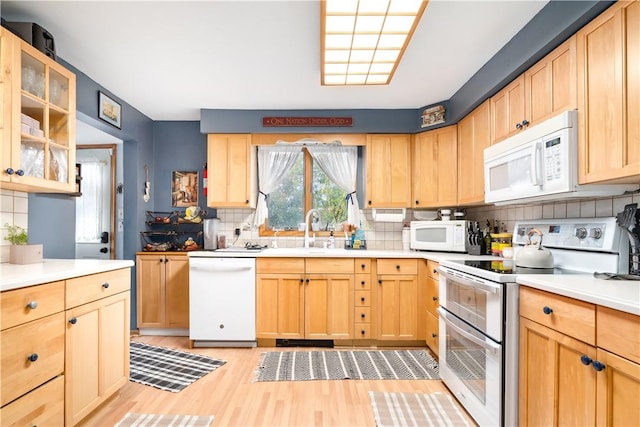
597, 234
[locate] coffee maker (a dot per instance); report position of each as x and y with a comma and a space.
629, 221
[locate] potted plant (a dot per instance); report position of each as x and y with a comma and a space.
21, 252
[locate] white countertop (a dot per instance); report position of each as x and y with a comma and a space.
13, 276
623, 295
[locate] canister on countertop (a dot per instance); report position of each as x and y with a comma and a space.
499, 241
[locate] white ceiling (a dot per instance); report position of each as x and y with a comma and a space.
169, 59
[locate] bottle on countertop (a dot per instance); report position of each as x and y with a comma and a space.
332, 242
487, 239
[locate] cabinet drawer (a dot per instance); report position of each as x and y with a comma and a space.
329, 265
362, 299
362, 265
362, 314
432, 333
363, 282
619, 333
280, 265
567, 315
362, 331
432, 271
397, 266
15, 305
42, 338
43, 406
81, 290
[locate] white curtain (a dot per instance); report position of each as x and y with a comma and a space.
341, 165
89, 206
274, 162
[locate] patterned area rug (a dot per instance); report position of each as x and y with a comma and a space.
416, 409
341, 364
156, 420
168, 369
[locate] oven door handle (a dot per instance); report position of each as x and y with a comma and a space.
488, 345
478, 284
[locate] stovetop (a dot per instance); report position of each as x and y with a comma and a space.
507, 266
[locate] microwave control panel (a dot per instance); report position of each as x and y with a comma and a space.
553, 159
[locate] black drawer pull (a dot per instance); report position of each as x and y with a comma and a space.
73, 320
33, 357
105, 285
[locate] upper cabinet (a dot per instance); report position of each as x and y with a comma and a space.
38, 119
544, 90
609, 96
435, 166
388, 171
474, 135
232, 168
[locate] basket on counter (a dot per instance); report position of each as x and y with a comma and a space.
158, 241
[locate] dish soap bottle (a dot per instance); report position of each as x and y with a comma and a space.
332, 241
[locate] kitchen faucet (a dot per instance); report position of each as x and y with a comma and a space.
308, 240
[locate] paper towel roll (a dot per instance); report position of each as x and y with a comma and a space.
396, 216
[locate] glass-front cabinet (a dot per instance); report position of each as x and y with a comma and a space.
38, 119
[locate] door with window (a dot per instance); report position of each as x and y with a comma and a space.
94, 207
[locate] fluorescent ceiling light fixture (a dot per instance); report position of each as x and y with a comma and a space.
362, 41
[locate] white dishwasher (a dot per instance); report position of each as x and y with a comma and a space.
222, 302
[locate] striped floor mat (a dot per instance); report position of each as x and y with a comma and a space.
416, 409
343, 364
157, 420
168, 369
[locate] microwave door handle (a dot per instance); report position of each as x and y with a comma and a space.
488, 345
536, 178
477, 284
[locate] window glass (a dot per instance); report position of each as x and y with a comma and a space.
329, 199
286, 204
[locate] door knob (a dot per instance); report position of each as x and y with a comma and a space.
104, 250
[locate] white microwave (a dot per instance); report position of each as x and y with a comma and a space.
441, 236
540, 163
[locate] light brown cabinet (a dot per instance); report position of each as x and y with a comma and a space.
400, 313
388, 171
433, 302
609, 96
474, 135
435, 168
96, 340
363, 300
162, 291
37, 130
232, 169
575, 370
304, 299
544, 90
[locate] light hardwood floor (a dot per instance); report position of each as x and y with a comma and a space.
230, 394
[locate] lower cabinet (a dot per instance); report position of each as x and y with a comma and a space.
162, 291
571, 380
399, 300
301, 298
97, 345
433, 301
43, 406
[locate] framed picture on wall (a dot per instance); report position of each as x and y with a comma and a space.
184, 188
109, 110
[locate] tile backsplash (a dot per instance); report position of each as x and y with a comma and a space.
14, 210
388, 235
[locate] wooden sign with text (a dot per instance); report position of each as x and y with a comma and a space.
307, 121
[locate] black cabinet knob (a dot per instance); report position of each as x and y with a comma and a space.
362, 266
585, 360
369, 201
398, 267
362, 299
547, 310
33, 357
417, 202
73, 320
598, 366
362, 315
433, 335
9, 171
362, 283
434, 298
105, 285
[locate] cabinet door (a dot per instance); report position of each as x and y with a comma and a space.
618, 391
177, 291
550, 85
280, 306
39, 156
556, 388
329, 306
397, 307
507, 110
474, 135
232, 171
150, 286
388, 171
96, 355
432, 338
609, 88
435, 178
82, 360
